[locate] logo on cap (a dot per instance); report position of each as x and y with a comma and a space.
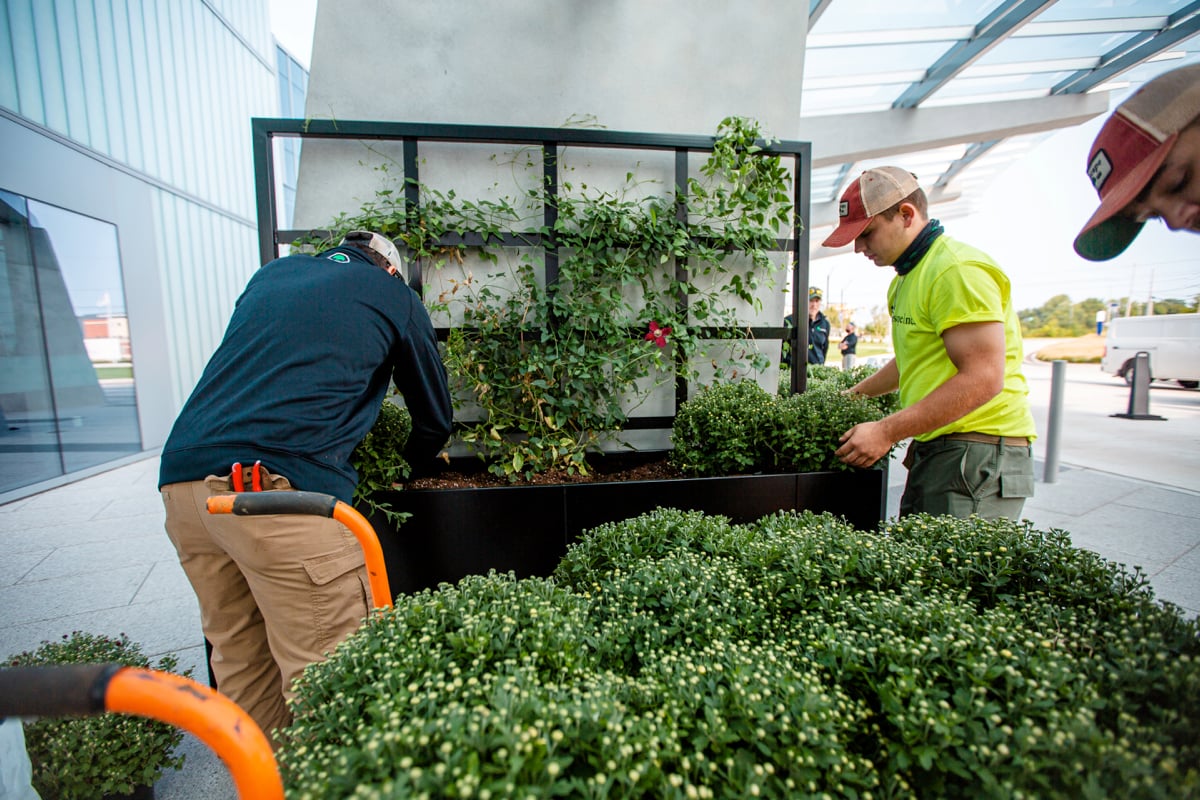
843, 209
1099, 169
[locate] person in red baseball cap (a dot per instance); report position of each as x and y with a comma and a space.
1145, 164
964, 401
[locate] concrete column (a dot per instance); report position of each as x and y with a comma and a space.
649, 66
658, 66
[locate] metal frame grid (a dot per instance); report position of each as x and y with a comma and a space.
550, 140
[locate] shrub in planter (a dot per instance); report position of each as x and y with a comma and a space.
717, 431
675, 655
111, 755
804, 431
379, 462
821, 376
737, 427
729, 428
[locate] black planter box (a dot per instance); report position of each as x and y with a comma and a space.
526, 529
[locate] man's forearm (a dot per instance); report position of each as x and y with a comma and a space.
957, 397
879, 382
977, 352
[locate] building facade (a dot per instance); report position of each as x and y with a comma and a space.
127, 223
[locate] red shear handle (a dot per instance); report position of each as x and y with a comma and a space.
95, 688
321, 505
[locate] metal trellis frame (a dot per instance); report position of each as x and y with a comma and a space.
550, 141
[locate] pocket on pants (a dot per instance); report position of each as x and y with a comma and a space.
1016, 479
340, 596
323, 569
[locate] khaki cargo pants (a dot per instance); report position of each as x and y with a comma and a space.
276, 592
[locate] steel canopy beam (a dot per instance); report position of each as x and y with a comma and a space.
815, 9
839, 138
1134, 51
989, 33
974, 152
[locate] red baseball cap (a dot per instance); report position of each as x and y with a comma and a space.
1127, 153
874, 191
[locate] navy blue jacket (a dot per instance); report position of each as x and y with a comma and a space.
851, 342
818, 339
298, 379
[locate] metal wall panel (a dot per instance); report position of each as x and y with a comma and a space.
156, 94
8, 70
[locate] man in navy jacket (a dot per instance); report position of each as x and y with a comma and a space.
294, 386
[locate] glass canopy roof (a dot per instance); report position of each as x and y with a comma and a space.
877, 55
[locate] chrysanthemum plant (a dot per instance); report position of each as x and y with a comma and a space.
651, 288
675, 656
111, 755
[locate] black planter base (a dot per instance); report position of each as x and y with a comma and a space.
526, 529
139, 793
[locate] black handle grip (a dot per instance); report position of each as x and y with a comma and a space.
251, 504
69, 689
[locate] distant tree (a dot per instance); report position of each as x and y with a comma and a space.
838, 317
880, 325
1089, 308
1056, 318
1059, 318
1172, 305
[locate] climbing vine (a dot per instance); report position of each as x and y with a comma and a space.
649, 286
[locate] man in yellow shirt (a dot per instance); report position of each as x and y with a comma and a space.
964, 401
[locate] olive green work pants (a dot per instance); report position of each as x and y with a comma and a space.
961, 478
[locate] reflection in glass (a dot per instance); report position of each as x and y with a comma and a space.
28, 444
67, 390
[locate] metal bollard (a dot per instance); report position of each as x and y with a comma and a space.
1139, 390
1058, 377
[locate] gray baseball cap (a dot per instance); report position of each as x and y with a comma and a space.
380, 244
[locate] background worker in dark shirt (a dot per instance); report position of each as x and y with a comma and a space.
818, 332
294, 386
818, 328
849, 347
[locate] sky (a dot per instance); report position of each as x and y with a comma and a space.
292, 23
1026, 220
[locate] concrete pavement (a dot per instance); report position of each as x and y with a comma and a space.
92, 555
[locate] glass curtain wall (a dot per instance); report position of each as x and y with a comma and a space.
293, 86
67, 391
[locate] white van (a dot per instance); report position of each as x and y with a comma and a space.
1171, 340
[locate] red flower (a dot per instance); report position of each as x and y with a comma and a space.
658, 335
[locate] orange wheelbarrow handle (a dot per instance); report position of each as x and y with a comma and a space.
321, 505
87, 689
